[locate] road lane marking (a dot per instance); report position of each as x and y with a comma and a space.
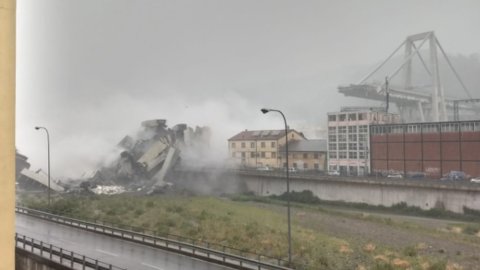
106, 252
152, 266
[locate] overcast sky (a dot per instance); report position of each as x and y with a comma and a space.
92, 70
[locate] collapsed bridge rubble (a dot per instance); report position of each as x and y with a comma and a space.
27, 179
146, 160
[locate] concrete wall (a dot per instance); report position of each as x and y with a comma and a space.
372, 192
426, 194
27, 261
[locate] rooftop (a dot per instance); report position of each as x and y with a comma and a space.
306, 146
261, 135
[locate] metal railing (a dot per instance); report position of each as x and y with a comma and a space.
192, 249
59, 255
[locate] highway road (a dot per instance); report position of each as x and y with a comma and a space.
110, 250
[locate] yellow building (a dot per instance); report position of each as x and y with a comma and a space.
260, 148
307, 155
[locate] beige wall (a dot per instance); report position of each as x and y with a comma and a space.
270, 148
310, 160
257, 153
7, 135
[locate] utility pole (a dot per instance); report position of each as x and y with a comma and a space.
387, 95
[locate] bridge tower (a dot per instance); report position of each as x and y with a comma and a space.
415, 102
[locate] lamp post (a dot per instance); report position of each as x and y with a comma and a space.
288, 183
48, 150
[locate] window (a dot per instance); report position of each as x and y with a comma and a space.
352, 117
315, 155
361, 155
262, 144
274, 155
243, 154
332, 154
342, 129
305, 165
284, 165
316, 166
233, 145
467, 127
252, 145
332, 118
362, 138
352, 137
430, 128
243, 145
332, 130
477, 126
272, 144
352, 146
252, 154
352, 155
262, 154
352, 129
363, 129
362, 116
332, 138
342, 146
233, 154
342, 138
362, 146
332, 146
342, 117
449, 127
377, 130
295, 165
305, 155
398, 129
342, 155
413, 129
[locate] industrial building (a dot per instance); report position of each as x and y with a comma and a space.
348, 138
430, 149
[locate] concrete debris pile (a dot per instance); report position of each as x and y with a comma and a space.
145, 161
108, 190
28, 180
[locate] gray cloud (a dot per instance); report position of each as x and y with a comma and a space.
91, 70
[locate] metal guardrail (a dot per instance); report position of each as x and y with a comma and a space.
188, 249
59, 255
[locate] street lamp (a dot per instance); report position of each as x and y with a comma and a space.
48, 150
264, 111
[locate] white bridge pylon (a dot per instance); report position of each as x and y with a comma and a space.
413, 102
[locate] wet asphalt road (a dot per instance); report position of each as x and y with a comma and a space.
109, 250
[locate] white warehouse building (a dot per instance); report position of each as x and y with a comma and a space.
349, 138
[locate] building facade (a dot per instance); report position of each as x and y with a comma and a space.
259, 148
430, 149
306, 155
349, 138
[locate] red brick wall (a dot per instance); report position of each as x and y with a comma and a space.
434, 154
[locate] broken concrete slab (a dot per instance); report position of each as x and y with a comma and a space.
31, 180
150, 155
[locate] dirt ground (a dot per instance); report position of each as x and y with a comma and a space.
434, 238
